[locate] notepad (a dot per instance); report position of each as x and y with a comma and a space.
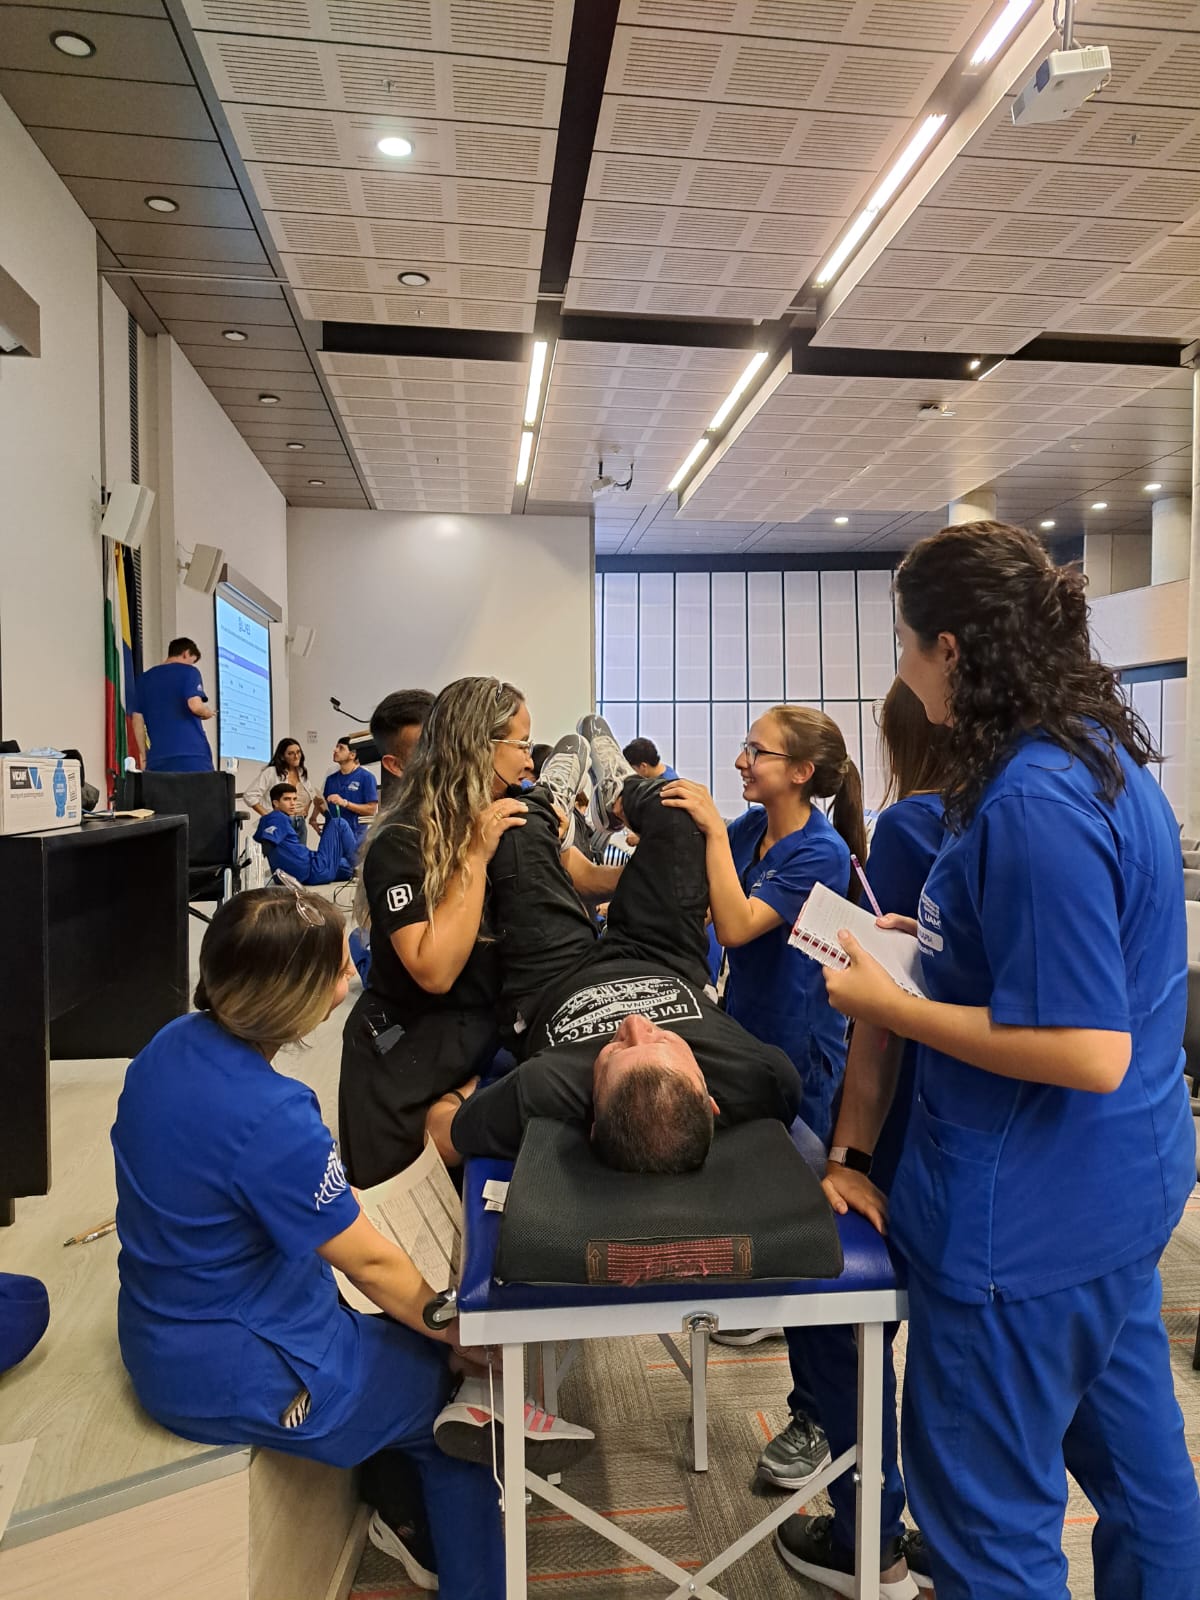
816, 935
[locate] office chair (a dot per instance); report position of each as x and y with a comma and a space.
208, 801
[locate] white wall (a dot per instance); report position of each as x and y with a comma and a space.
214, 491
51, 599
414, 601
1142, 627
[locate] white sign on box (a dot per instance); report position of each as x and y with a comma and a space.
38, 792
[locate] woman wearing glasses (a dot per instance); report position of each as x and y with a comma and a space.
232, 1206
426, 1023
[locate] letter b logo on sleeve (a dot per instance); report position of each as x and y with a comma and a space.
399, 896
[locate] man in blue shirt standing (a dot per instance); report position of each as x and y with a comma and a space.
642, 755
351, 792
174, 711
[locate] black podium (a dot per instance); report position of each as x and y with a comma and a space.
93, 961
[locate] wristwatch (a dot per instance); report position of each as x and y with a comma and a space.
847, 1156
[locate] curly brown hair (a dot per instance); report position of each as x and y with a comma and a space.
1024, 658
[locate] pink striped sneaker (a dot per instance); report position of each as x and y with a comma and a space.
463, 1429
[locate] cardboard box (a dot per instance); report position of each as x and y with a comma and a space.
38, 792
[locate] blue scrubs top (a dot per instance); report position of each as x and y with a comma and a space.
276, 832
669, 772
776, 993
908, 836
227, 1183
357, 785
1055, 910
175, 733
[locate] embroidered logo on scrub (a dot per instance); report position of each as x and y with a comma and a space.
399, 896
599, 1010
930, 921
334, 1181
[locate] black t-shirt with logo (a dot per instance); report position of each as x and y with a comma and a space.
578, 1015
394, 878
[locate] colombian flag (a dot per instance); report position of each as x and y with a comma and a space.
120, 694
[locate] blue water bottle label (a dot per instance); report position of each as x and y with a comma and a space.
60, 789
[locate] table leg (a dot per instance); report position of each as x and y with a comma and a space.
513, 1371
870, 1459
549, 1393
699, 1363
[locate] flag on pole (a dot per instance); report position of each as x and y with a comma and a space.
119, 686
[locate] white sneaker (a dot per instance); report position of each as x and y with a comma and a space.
464, 1429
608, 764
386, 1538
747, 1336
563, 773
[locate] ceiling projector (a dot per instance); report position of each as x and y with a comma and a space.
604, 484
1063, 82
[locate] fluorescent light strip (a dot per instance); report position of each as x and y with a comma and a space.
1000, 30
693, 455
987, 371
738, 390
892, 179
523, 458
537, 369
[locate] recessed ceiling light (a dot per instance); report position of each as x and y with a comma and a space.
394, 145
161, 202
975, 364
1048, 522
414, 280
1099, 505
317, 483
234, 335
294, 444
268, 399
841, 521
1150, 487
73, 44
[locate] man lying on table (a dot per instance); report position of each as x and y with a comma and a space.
614, 1029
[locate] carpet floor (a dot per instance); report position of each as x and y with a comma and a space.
634, 1397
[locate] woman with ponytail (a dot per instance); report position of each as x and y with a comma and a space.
1051, 1150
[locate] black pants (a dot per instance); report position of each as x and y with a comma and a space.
657, 913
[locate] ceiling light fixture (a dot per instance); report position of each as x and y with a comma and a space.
974, 364
526, 452
738, 390
892, 179
1099, 505
1151, 487
161, 202
987, 371
413, 280
294, 444
317, 483
234, 335
1047, 522
537, 370
841, 521
693, 455
393, 145
268, 399
1000, 31
75, 45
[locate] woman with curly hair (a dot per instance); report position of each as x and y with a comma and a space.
1051, 1149
426, 1022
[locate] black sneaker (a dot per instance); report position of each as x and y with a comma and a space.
608, 765
410, 1546
740, 1337
795, 1456
806, 1545
916, 1552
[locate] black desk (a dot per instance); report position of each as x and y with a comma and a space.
93, 961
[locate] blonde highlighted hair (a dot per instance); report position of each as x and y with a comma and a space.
448, 781
268, 965
810, 735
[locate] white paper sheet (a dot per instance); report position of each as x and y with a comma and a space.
816, 934
419, 1210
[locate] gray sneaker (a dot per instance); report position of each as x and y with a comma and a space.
795, 1456
609, 767
563, 773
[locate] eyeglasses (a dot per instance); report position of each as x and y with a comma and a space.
308, 912
519, 744
752, 752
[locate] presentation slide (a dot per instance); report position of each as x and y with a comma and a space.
243, 684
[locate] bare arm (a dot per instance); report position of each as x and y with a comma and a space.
868, 1090
441, 1114
738, 918
198, 708
382, 1271
592, 881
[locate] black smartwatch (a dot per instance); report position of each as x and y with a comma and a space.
846, 1155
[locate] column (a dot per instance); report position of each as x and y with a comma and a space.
977, 506
1170, 538
1191, 818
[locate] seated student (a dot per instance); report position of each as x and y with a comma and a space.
642, 755
232, 1206
331, 862
351, 791
614, 1029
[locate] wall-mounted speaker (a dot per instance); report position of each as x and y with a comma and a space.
204, 569
301, 640
127, 513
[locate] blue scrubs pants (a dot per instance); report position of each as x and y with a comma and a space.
169, 763
333, 859
1002, 1399
402, 1382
